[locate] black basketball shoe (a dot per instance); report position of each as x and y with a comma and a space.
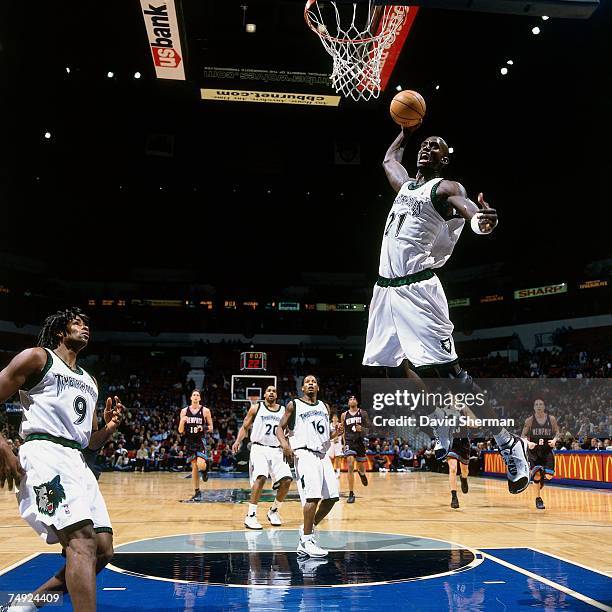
454, 500
364, 479
464, 484
540, 504
351, 498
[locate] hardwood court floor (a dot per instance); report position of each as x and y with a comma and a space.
576, 524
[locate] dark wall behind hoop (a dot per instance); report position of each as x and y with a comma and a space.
567, 9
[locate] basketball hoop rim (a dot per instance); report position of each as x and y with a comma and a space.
309, 4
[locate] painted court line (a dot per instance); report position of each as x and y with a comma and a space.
586, 567
550, 583
114, 589
15, 565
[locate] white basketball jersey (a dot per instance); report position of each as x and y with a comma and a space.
61, 403
416, 237
265, 425
311, 428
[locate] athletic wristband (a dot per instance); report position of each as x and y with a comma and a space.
475, 227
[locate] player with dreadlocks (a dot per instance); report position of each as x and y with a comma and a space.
58, 495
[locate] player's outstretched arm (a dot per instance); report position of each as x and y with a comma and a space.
481, 216
397, 175
22, 367
246, 425
286, 423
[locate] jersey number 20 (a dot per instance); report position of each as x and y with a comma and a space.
270, 428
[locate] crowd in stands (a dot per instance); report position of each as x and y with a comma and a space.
155, 390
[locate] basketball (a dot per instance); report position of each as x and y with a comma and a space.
407, 108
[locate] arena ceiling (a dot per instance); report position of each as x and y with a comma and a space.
142, 172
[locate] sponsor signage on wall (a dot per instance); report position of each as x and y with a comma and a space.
164, 39
269, 97
540, 291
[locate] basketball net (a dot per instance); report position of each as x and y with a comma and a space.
356, 48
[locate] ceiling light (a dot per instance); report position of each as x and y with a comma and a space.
250, 28
510, 63
504, 71
535, 30
545, 17
137, 75
47, 135
110, 74
398, 88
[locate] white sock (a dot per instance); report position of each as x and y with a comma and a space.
503, 437
276, 505
307, 538
252, 510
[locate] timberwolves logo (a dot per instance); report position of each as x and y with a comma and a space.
413, 206
447, 345
49, 495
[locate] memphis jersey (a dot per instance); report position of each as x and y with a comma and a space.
416, 237
265, 425
61, 402
194, 425
542, 431
311, 429
351, 420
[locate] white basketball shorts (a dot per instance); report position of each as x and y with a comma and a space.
58, 489
315, 474
269, 462
335, 449
409, 322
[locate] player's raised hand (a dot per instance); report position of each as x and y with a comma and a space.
10, 468
487, 216
113, 412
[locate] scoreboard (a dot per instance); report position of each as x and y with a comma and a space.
251, 361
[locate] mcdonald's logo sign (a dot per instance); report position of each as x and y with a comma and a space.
608, 470
592, 469
575, 467
580, 467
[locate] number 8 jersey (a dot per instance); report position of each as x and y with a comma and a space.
59, 401
311, 428
265, 425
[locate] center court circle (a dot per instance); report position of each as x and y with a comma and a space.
267, 559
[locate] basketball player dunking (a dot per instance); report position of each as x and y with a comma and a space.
307, 418
355, 422
541, 429
408, 322
266, 457
58, 494
191, 424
